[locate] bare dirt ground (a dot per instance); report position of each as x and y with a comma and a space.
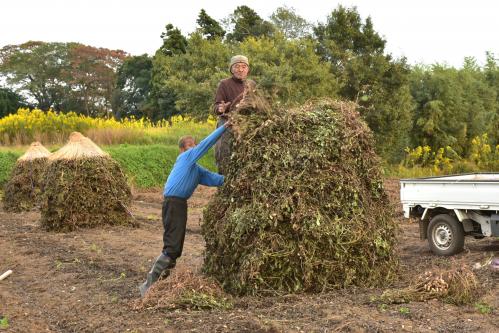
85, 281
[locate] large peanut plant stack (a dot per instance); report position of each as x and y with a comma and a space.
23, 190
303, 206
84, 187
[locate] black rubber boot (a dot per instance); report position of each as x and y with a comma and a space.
161, 264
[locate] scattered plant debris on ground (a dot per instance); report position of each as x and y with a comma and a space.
185, 289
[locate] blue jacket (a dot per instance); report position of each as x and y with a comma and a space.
186, 174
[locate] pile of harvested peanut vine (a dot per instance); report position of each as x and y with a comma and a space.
84, 187
303, 206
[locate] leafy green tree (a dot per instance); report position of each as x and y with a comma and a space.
210, 28
37, 70
133, 87
345, 36
452, 105
9, 102
480, 100
290, 24
173, 41
62, 76
245, 22
161, 104
289, 70
191, 77
366, 75
162, 101
491, 71
439, 119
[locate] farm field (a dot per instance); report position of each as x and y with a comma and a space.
322, 110
86, 281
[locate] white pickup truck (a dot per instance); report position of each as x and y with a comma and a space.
451, 207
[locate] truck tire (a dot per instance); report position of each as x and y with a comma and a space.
445, 235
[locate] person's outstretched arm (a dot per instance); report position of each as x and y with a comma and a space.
194, 154
209, 178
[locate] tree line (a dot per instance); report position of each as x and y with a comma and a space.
291, 59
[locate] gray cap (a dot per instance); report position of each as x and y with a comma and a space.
238, 58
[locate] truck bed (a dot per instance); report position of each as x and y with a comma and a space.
477, 191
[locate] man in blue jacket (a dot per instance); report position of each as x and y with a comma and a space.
185, 176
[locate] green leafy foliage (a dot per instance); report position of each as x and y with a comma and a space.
483, 308
210, 28
36, 67
452, 106
7, 161
133, 86
367, 76
149, 167
192, 76
289, 70
173, 41
9, 102
245, 22
145, 167
290, 24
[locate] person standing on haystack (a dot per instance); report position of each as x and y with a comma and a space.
229, 93
185, 176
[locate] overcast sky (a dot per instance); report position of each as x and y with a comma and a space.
425, 31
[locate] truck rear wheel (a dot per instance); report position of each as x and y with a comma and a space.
445, 235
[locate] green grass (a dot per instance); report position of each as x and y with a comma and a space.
144, 165
4, 322
149, 166
404, 310
7, 161
146, 162
483, 308
171, 136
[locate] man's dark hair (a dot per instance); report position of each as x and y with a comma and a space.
181, 141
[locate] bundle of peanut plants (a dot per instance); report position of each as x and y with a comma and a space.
303, 206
